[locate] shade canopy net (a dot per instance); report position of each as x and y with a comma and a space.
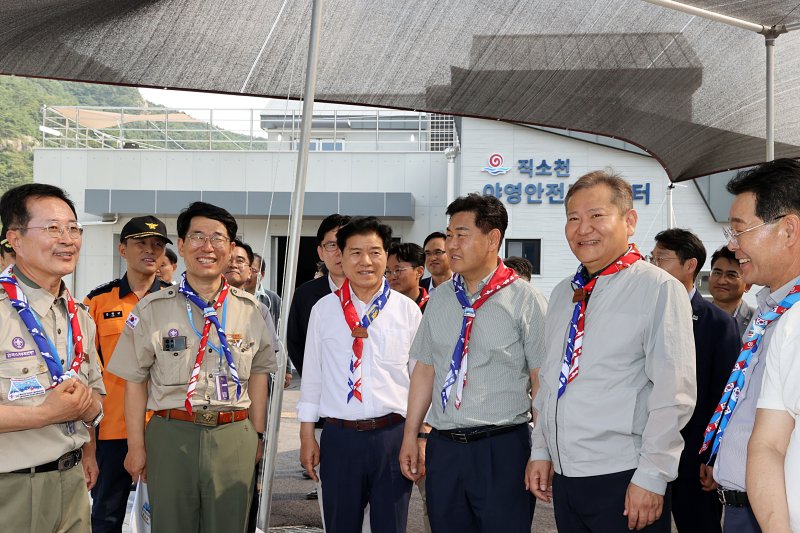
689, 90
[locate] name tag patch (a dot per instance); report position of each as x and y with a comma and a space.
25, 388
112, 314
17, 355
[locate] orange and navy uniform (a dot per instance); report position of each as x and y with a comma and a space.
109, 305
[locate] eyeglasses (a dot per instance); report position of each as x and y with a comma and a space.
434, 253
732, 236
239, 261
730, 275
658, 259
55, 230
329, 246
397, 271
198, 240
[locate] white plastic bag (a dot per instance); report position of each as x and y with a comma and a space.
140, 515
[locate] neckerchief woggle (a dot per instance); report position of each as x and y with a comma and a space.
502, 277
570, 367
351, 317
211, 345
35, 328
730, 394
210, 315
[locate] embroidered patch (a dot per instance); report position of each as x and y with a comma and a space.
112, 314
18, 355
172, 333
18, 343
25, 388
132, 321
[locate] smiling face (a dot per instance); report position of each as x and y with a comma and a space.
143, 255
364, 263
473, 253
596, 230
758, 250
205, 262
404, 277
436, 260
43, 258
725, 283
238, 271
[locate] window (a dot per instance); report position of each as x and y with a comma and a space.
530, 249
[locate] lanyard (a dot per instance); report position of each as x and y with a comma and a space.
210, 344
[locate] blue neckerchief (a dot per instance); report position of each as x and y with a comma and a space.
210, 344
210, 314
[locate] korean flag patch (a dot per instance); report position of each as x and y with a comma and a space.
132, 321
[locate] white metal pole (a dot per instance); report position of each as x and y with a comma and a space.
670, 211
711, 15
290, 275
770, 44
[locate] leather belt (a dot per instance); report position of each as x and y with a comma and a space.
468, 435
203, 417
367, 424
733, 498
65, 462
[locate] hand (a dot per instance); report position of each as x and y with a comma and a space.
421, 445
539, 480
287, 380
309, 455
90, 468
67, 401
707, 478
642, 507
409, 458
136, 463
259, 450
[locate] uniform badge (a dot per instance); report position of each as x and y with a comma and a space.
25, 388
112, 314
18, 343
132, 321
172, 333
235, 339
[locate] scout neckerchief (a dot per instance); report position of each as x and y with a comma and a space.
210, 315
423, 297
358, 329
583, 289
730, 395
502, 277
43, 342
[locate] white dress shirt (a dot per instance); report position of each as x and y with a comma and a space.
385, 363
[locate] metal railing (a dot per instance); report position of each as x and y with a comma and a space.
243, 129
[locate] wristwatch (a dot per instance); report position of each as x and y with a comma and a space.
95, 421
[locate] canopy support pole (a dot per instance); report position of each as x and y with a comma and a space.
711, 15
670, 211
769, 41
296, 216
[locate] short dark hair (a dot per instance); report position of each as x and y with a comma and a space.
329, 223
364, 226
685, 244
621, 191
247, 249
723, 253
171, 255
434, 235
408, 252
262, 267
489, 211
14, 203
203, 209
520, 265
776, 185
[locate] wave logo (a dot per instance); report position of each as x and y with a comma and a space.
496, 165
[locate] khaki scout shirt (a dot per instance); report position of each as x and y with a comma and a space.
160, 319
20, 359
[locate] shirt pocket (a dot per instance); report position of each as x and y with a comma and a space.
393, 348
23, 370
243, 359
173, 367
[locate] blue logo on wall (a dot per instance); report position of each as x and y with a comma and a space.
496, 165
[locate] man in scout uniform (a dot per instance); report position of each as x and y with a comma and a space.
489, 324
355, 374
198, 355
142, 244
50, 383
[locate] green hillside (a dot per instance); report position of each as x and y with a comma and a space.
20, 102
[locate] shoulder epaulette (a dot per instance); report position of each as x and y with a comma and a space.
104, 288
158, 295
244, 295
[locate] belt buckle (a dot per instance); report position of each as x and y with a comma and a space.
206, 418
66, 461
366, 425
721, 496
460, 438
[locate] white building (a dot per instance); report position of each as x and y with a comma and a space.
389, 164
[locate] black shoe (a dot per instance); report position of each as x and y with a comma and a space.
312, 495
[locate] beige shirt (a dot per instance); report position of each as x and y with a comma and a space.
21, 362
160, 319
